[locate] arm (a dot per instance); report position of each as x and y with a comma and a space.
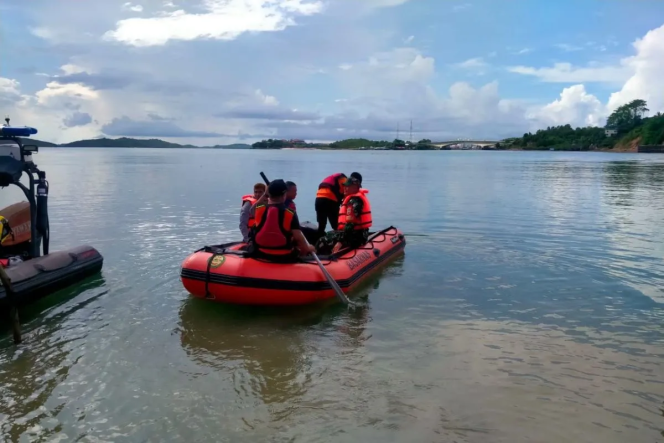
302, 243
299, 238
244, 220
262, 199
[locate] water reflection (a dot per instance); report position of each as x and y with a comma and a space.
267, 354
53, 330
275, 354
269, 351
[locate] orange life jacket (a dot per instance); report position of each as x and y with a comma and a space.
291, 206
331, 187
273, 233
249, 198
347, 215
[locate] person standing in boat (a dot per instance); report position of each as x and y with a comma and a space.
247, 210
277, 235
354, 215
328, 200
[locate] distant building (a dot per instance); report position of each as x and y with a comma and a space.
610, 132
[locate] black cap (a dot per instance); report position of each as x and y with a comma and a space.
277, 188
357, 175
352, 181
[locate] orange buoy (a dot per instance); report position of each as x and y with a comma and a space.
225, 273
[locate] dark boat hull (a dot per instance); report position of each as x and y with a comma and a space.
42, 276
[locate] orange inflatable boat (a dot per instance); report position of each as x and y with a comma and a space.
225, 273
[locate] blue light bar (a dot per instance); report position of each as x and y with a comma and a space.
14, 131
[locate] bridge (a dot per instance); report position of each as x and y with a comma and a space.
483, 143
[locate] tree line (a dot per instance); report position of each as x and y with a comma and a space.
350, 143
625, 125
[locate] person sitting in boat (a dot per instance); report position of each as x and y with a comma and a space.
291, 193
277, 229
328, 200
247, 211
354, 215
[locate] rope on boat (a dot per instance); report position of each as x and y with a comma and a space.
223, 250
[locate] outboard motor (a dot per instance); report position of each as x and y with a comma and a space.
42, 209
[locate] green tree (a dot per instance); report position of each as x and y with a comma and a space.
628, 116
397, 143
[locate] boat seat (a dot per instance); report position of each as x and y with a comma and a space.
47, 263
22, 271
53, 261
10, 170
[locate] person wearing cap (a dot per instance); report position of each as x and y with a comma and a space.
247, 211
277, 233
354, 215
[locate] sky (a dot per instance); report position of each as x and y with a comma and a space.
212, 72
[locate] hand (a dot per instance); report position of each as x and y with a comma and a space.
337, 248
306, 250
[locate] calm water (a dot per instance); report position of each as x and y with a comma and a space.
528, 307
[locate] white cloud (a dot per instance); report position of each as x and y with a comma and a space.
461, 7
398, 68
568, 48
640, 77
134, 8
223, 20
265, 99
575, 107
384, 3
43, 32
9, 87
325, 80
647, 68
524, 51
566, 73
71, 68
472, 63
55, 90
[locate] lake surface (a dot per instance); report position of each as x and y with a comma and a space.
528, 306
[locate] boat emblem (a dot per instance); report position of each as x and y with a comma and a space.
217, 261
394, 239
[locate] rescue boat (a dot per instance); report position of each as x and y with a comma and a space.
225, 273
33, 271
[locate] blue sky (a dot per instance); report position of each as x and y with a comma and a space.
222, 71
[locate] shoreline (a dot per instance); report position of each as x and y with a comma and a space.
614, 151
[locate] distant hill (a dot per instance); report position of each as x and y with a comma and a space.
32, 141
125, 142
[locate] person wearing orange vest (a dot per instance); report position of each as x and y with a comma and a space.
328, 200
277, 232
247, 210
354, 215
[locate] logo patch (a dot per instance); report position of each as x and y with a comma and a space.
217, 261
